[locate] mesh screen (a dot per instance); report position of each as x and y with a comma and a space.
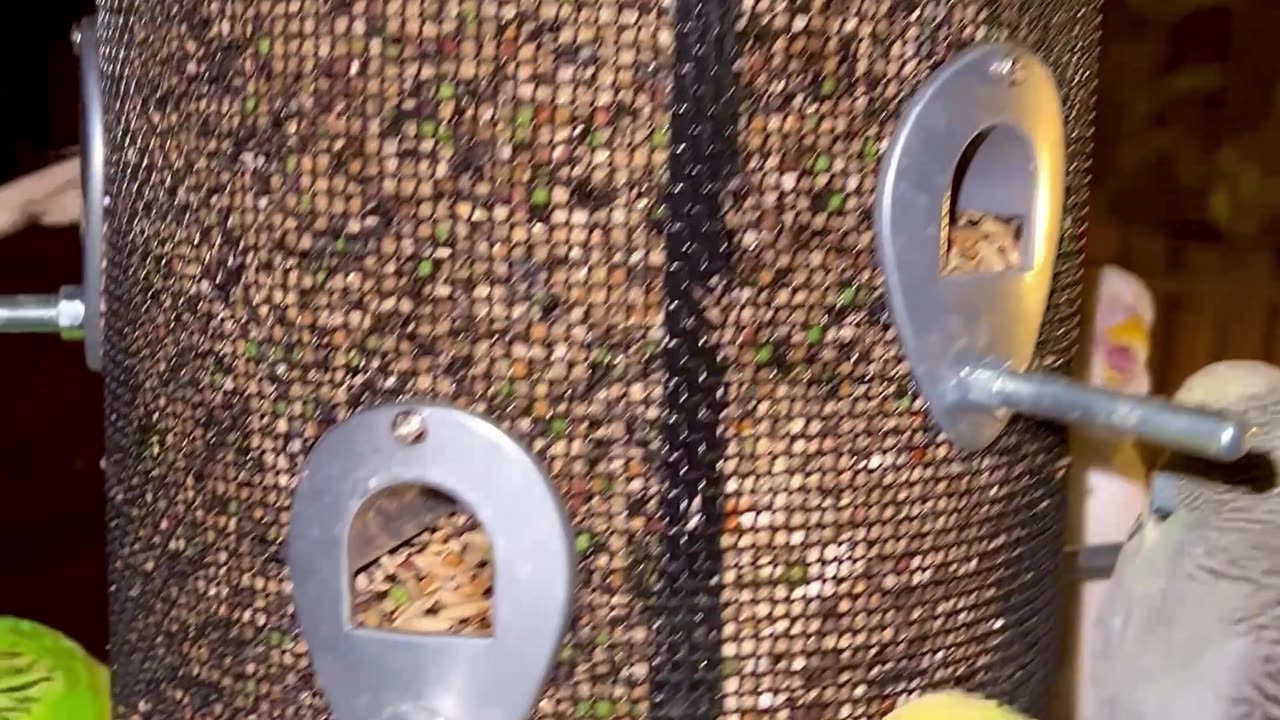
322, 204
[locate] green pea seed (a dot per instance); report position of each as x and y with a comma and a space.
425, 269
847, 297
582, 542
814, 334
764, 353
835, 202
540, 197
558, 427
661, 136
446, 91
795, 575
252, 350
870, 149
264, 45
427, 129
397, 595
821, 163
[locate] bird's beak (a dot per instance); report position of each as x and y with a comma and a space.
1123, 348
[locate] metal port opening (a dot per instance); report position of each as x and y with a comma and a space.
421, 564
986, 215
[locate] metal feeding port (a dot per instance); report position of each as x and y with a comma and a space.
368, 673
982, 143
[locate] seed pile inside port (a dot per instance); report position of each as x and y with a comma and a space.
441, 581
982, 242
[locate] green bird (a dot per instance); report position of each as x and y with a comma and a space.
46, 676
1190, 626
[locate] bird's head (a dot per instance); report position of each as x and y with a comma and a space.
1246, 389
1123, 314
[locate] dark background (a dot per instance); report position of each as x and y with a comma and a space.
52, 561
1186, 181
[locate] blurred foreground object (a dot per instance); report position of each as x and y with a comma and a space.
50, 196
1108, 484
1190, 627
1120, 346
954, 705
44, 675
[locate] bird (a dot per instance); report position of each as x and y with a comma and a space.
45, 675
1190, 624
1107, 484
953, 705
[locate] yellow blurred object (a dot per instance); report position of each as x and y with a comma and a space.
1130, 331
954, 705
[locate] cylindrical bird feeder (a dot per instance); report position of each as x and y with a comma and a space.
617, 261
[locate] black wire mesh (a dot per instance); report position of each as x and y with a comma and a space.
637, 234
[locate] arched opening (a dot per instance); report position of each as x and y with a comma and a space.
421, 564
986, 213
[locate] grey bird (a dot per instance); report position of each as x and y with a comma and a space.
1190, 626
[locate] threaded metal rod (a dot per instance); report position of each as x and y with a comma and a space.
29, 314
62, 313
1159, 422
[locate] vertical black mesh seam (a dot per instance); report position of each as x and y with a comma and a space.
686, 649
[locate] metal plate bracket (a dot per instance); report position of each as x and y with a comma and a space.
381, 675
985, 133
93, 181
947, 322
